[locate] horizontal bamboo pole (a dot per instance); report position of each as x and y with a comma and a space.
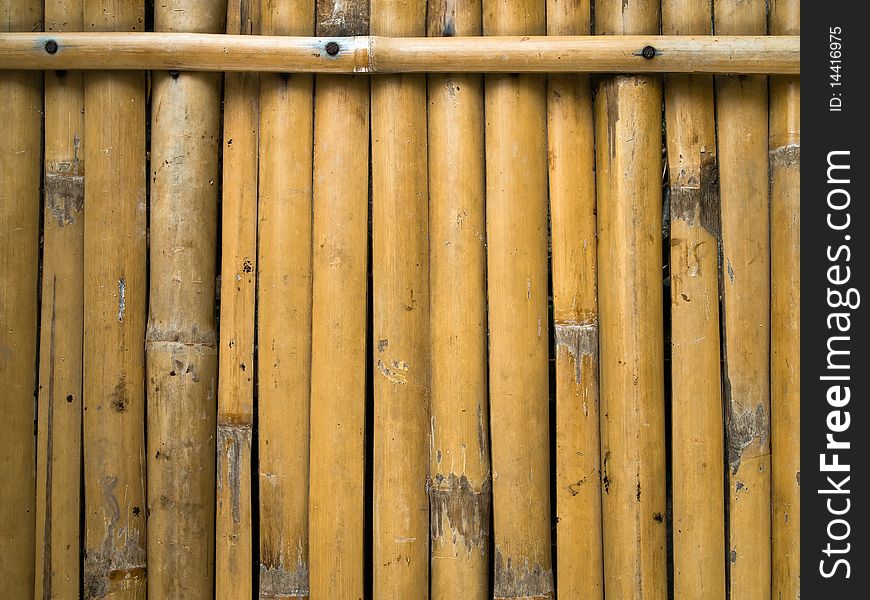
378, 54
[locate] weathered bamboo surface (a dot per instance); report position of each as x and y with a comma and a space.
115, 294
400, 296
742, 128
785, 360
382, 54
284, 311
59, 421
339, 365
460, 479
570, 130
234, 553
21, 159
696, 393
628, 170
439, 314
180, 340
516, 228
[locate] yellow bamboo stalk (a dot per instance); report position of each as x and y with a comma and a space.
516, 214
378, 54
181, 337
628, 168
235, 409
575, 314
284, 311
20, 157
785, 226
114, 300
742, 113
460, 484
339, 314
400, 276
696, 392
58, 467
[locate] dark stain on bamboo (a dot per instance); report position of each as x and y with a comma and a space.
276, 583
232, 439
120, 398
744, 430
441, 18
787, 156
340, 19
64, 187
467, 511
580, 340
520, 581
697, 201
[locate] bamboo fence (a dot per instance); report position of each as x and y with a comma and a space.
400, 299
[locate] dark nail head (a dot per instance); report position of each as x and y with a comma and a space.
51, 46
648, 52
174, 74
332, 48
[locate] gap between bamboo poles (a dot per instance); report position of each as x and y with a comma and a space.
379, 54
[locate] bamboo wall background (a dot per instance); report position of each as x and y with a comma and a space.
445, 335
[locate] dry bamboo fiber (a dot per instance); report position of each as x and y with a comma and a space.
114, 300
628, 157
20, 145
284, 311
339, 316
460, 489
235, 410
697, 440
575, 315
785, 224
400, 276
180, 340
516, 214
742, 113
58, 467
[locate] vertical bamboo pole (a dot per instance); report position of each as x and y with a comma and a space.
339, 315
400, 275
284, 311
114, 300
696, 391
180, 340
628, 157
20, 145
575, 315
235, 410
516, 215
460, 485
785, 239
59, 425
742, 113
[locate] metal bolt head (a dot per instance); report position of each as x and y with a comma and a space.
648, 52
332, 48
51, 46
